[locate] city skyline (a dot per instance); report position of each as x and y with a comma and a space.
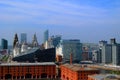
89, 21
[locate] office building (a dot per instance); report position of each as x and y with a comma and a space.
4, 44
76, 72
111, 53
23, 38
46, 36
116, 54
68, 47
107, 54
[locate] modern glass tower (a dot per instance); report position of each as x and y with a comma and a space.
23, 38
46, 36
4, 44
73, 47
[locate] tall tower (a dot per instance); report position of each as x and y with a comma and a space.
4, 44
23, 38
15, 40
46, 35
34, 41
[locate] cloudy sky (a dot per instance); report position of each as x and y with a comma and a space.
87, 20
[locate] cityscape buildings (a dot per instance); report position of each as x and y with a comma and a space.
52, 42
60, 59
111, 53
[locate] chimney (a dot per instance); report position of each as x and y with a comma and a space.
71, 57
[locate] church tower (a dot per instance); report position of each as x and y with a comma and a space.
34, 41
15, 40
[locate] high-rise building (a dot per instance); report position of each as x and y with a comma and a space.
4, 44
111, 53
46, 36
107, 54
23, 38
116, 54
73, 47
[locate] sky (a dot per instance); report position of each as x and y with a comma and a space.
87, 20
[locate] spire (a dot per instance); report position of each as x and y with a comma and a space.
15, 40
34, 41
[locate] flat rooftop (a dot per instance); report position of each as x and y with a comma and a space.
78, 67
26, 64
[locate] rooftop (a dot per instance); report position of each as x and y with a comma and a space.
78, 67
105, 76
26, 64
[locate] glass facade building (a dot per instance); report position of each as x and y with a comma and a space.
4, 44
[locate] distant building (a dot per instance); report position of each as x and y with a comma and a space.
4, 44
76, 72
35, 55
102, 43
88, 49
34, 41
46, 36
52, 42
116, 54
23, 38
15, 40
71, 46
111, 53
107, 54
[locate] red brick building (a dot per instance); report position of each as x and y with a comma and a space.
76, 72
27, 71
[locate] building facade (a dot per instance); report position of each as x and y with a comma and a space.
76, 72
22, 71
107, 54
111, 53
71, 46
4, 44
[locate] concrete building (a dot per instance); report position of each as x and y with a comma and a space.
23, 38
71, 46
76, 72
46, 36
111, 53
4, 44
20, 71
116, 54
107, 54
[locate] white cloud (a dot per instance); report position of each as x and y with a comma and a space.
53, 12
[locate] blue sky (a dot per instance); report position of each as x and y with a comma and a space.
87, 20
